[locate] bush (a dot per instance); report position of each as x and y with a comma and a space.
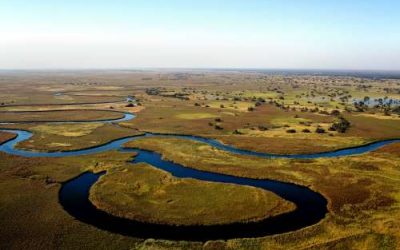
217, 127
237, 132
306, 130
291, 131
320, 131
340, 125
258, 104
335, 112
262, 128
260, 99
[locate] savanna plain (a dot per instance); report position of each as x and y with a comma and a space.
280, 114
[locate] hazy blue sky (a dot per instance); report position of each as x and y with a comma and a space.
340, 34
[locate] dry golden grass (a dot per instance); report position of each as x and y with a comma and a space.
56, 137
30, 215
363, 192
68, 130
147, 194
196, 116
4, 136
57, 115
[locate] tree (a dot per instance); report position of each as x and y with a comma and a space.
340, 125
217, 127
335, 112
262, 128
237, 132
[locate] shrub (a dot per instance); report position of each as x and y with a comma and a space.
306, 130
335, 112
320, 131
291, 131
260, 99
258, 104
262, 128
340, 125
237, 132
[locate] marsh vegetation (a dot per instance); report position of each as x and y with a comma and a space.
256, 111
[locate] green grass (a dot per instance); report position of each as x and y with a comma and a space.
147, 194
363, 191
30, 215
65, 115
56, 137
195, 116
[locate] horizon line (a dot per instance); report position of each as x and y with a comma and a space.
198, 68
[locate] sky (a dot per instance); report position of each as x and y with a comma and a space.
273, 34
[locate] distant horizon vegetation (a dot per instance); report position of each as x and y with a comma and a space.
365, 73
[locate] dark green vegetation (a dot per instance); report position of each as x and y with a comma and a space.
248, 110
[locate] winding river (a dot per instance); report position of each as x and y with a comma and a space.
311, 207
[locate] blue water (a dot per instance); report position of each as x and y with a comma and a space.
311, 207
9, 147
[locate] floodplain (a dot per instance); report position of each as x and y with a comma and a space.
263, 112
